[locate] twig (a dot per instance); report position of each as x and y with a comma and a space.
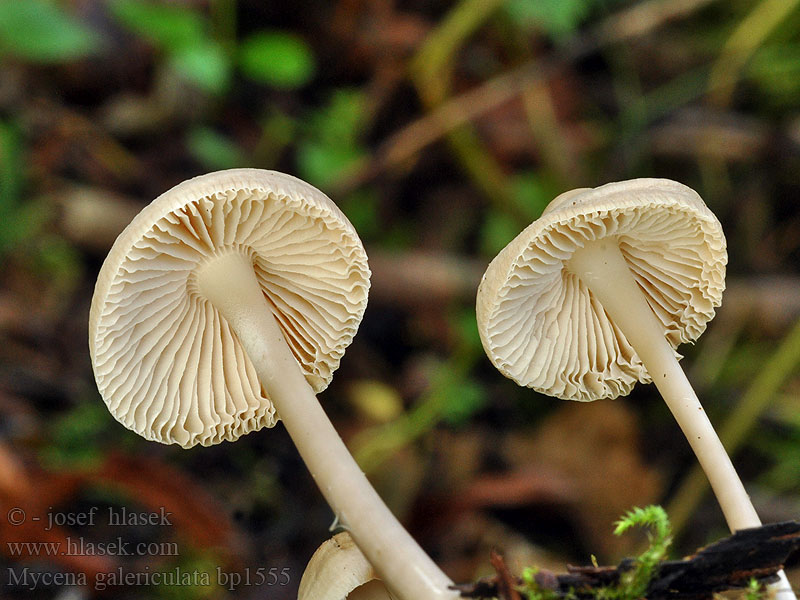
506, 583
414, 137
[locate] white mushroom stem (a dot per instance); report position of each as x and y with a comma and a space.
603, 269
229, 283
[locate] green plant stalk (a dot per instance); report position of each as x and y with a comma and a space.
748, 36
437, 52
373, 446
431, 71
743, 43
556, 151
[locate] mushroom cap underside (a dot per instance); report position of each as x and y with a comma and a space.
541, 326
166, 363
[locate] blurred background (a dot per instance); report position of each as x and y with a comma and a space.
441, 129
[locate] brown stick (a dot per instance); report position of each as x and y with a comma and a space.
727, 564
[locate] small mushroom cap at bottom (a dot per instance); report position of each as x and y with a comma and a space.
541, 326
339, 570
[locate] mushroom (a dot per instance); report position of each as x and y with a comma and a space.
596, 295
339, 570
225, 305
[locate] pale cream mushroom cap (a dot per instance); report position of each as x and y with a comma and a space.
540, 325
339, 570
166, 363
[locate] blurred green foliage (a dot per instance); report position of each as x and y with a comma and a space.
172, 27
11, 175
183, 35
213, 150
41, 31
203, 64
331, 143
776, 69
557, 17
783, 448
23, 221
463, 396
57, 261
75, 437
19, 220
530, 192
453, 397
330, 146
277, 58
361, 208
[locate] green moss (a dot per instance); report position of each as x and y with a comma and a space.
632, 583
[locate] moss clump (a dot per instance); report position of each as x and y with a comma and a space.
632, 583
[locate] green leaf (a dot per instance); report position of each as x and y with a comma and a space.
277, 58
279, 127
556, 17
463, 399
339, 122
41, 31
204, 64
498, 229
181, 33
533, 193
213, 150
466, 326
170, 27
21, 223
361, 208
332, 146
777, 71
323, 164
73, 439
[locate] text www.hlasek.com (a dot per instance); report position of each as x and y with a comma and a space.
77, 546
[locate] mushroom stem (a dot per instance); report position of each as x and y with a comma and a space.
601, 266
230, 284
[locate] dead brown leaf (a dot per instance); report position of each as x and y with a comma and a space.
595, 447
